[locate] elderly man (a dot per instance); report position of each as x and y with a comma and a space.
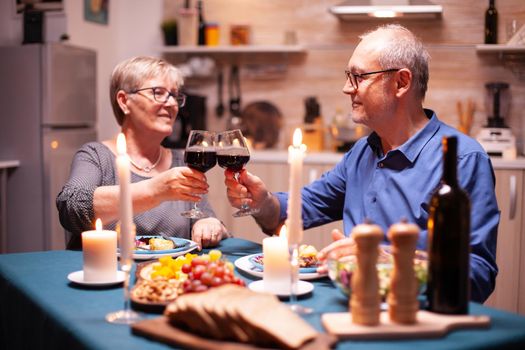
392, 173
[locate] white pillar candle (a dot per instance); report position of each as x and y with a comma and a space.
127, 233
294, 222
99, 250
276, 273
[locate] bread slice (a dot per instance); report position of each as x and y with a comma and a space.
232, 312
276, 322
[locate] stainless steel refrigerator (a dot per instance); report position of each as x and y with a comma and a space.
47, 111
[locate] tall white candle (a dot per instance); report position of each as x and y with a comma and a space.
99, 251
276, 273
127, 231
296, 154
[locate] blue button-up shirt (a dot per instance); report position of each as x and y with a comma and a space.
399, 184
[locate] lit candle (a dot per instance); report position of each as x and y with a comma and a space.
99, 250
276, 273
294, 222
127, 232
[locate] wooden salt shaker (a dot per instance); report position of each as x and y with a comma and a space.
365, 300
402, 299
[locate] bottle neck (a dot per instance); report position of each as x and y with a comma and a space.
450, 176
491, 3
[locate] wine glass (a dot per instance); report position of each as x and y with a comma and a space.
233, 154
127, 244
199, 155
294, 241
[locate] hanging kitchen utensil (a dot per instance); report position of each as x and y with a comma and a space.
234, 90
219, 109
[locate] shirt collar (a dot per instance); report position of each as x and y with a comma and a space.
413, 146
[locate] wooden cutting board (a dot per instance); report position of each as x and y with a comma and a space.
159, 329
429, 325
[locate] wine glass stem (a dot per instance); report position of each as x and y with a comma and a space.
244, 204
294, 264
127, 269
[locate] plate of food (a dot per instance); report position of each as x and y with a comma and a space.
153, 247
162, 281
308, 263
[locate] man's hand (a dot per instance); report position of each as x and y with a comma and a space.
341, 246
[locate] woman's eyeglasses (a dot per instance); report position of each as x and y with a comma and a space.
162, 95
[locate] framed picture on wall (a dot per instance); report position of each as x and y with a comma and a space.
96, 11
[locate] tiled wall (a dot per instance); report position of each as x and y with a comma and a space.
457, 71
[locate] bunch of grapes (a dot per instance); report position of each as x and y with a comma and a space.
207, 273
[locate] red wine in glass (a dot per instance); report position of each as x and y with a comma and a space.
234, 161
200, 159
233, 154
200, 155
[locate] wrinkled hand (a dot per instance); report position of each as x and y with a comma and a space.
180, 183
245, 189
208, 232
341, 246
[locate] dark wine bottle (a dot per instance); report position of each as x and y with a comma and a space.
202, 25
491, 24
448, 288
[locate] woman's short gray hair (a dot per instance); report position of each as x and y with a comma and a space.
405, 50
128, 75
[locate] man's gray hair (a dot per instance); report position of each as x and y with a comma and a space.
404, 50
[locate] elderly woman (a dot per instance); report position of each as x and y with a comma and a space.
145, 98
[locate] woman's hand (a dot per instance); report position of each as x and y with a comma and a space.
208, 232
341, 246
179, 183
248, 189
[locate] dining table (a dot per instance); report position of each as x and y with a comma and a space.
41, 309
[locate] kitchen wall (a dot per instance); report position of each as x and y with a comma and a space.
457, 72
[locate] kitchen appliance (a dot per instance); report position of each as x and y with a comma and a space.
48, 111
496, 137
366, 9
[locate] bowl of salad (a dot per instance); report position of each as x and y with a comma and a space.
341, 270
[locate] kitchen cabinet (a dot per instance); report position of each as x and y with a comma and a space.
510, 283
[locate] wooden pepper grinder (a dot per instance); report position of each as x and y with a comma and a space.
402, 299
365, 300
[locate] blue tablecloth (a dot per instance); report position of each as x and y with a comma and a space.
41, 309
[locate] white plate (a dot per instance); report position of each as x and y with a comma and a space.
150, 255
78, 277
244, 264
303, 287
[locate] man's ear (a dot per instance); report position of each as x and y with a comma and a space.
403, 81
122, 100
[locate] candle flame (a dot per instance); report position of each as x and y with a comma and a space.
98, 224
283, 233
121, 144
297, 137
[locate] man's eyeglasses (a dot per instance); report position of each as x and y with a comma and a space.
162, 95
355, 77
